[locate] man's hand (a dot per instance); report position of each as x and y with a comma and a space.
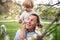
23, 32
21, 38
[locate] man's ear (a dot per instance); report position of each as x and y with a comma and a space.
37, 24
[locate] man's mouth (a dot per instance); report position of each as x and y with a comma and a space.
28, 24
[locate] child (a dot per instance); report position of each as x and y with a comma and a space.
28, 6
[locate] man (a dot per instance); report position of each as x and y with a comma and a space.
30, 25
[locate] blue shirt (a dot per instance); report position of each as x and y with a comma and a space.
17, 36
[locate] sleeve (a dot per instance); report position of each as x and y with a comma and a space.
17, 35
22, 16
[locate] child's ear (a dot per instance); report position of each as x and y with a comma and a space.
36, 24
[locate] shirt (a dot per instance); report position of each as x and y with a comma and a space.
28, 35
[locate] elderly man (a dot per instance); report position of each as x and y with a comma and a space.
30, 25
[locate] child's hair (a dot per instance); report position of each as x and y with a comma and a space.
28, 4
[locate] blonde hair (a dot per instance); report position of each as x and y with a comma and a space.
28, 4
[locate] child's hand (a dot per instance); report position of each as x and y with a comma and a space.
20, 21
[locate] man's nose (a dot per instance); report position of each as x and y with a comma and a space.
28, 21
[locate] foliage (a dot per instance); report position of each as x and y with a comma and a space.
46, 12
49, 13
13, 10
1, 10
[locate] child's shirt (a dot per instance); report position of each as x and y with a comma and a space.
24, 16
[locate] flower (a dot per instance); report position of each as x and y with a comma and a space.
32, 37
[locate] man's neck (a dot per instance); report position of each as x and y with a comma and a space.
30, 30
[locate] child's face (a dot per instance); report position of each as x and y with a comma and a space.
28, 9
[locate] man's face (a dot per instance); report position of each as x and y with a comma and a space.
31, 22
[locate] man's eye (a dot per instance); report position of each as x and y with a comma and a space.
31, 20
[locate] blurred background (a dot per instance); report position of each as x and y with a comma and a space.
10, 11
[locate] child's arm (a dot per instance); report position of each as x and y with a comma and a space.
21, 19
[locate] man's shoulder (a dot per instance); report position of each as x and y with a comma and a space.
18, 31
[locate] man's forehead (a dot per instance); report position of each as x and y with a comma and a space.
32, 16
